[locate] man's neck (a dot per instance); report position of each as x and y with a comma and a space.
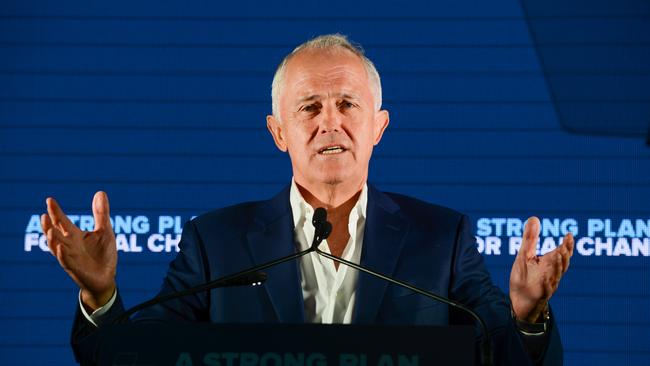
337, 199
339, 204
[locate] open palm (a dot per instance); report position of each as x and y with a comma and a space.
89, 257
534, 279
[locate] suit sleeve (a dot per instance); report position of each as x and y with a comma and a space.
471, 285
188, 269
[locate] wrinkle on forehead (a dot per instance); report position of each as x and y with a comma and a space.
339, 78
314, 80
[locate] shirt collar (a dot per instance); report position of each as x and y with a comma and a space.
303, 210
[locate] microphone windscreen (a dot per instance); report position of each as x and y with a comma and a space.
326, 230
320, 215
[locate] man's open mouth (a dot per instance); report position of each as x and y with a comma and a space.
337, 149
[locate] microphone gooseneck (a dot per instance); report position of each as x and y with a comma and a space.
251, 276
244, 278
486, 348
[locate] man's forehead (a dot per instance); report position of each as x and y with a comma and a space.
307, 74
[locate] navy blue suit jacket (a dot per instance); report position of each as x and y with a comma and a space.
426, 245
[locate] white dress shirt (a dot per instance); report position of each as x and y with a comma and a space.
329, 294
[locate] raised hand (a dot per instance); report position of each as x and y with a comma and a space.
534, 279
90, 258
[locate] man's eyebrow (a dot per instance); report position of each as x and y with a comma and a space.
347, 96
313, 97
309, 98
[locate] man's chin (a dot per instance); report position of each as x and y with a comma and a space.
331, 179
339, 178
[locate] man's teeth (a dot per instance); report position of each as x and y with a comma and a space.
332, 150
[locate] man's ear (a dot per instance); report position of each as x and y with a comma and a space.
381, 122
275, 127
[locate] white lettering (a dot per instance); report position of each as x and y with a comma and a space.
480, 244
133, 244
608, 229
122, 224
603, 245
34, 225
493, 245
625, 229
622, 247
153, 245
31, 240
169, 222
172, 243
550, 227
581, 246
498, 226
642, 228
141, 225
641, 247
86, 222
594, 226
122, 243
514, 227
164, 223
483, 226
514, 245
569, 226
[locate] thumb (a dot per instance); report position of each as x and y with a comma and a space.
529, 240
101, 212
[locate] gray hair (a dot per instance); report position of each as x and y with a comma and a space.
326, 42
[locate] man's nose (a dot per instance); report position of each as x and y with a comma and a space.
331, 119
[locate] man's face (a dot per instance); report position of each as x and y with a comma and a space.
328, 121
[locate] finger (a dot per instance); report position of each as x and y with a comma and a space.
101, 212
46, 226
59, 248
569, 242
529, 240
566, 259
566, 250
552, 269
46, 223
557, 270
58, 217
55, 240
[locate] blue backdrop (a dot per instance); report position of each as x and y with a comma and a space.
500, 109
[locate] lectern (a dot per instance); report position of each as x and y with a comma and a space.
284, 344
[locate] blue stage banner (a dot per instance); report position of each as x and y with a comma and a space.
499, 109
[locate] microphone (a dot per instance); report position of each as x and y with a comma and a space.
486, 349
247, 277
323, 228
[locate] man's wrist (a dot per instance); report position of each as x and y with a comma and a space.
92, 302
94, 316
539, 327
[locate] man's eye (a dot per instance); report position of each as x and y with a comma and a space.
309, 108
346, 105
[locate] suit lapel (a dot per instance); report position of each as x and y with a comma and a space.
383, 241
270, 236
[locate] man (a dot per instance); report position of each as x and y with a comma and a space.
327, 116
